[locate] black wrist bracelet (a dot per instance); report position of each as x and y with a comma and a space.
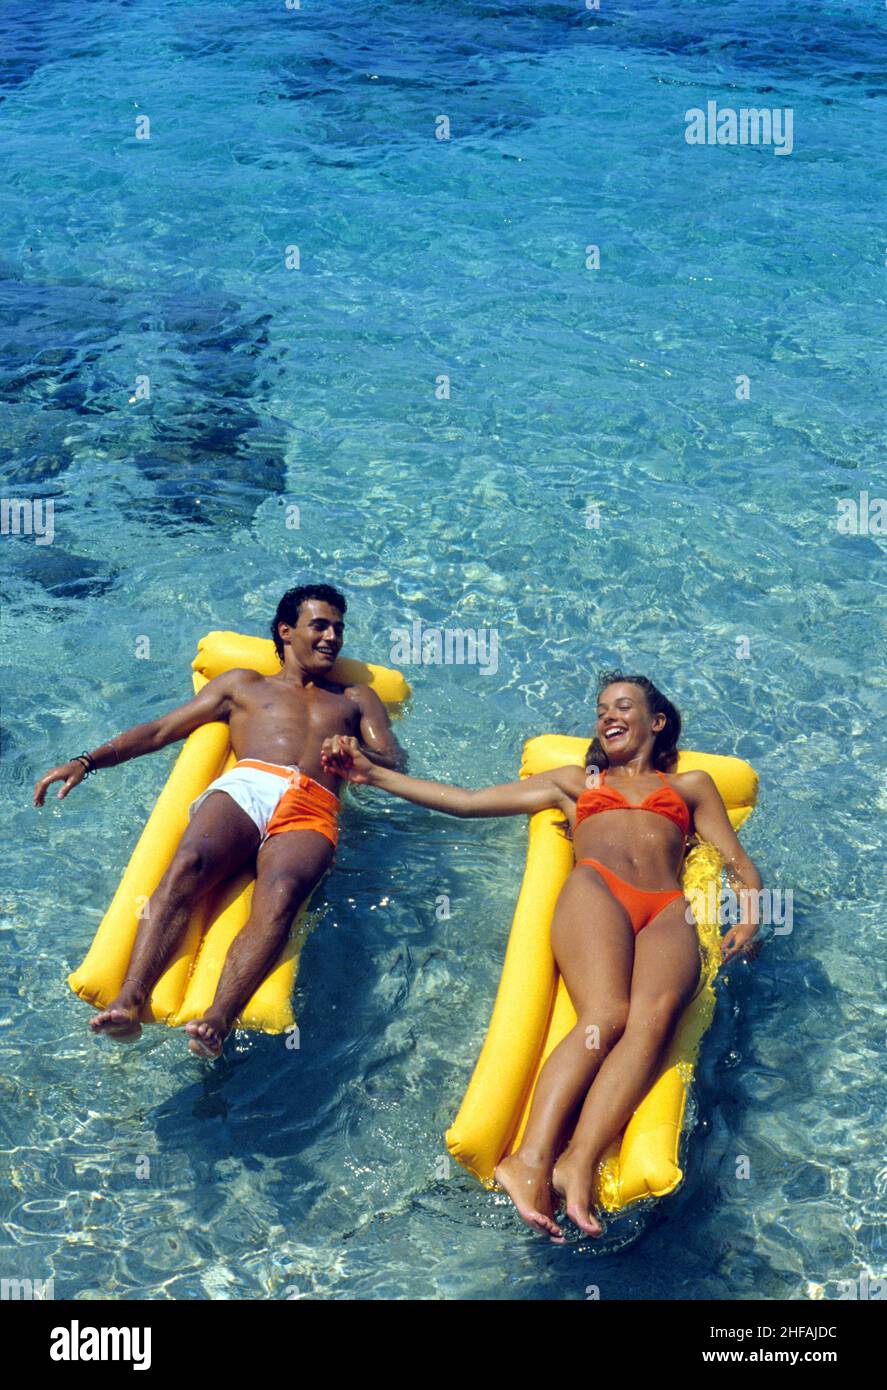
87, 762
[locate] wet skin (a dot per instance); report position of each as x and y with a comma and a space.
280, 719
633, 989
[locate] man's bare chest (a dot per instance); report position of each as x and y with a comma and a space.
325, 711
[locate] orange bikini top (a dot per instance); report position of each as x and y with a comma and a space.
665, 801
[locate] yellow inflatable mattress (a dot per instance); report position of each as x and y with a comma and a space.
186, 988
532, 1012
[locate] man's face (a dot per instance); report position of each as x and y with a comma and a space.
316, 638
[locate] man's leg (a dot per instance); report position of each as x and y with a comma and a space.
219, 839
289, 866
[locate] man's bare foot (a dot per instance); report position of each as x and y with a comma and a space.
120, 1020
207, 1035
529, 1187
572, 1178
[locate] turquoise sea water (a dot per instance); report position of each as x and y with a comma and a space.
319, 1170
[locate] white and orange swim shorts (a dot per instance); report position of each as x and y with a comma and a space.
277, 798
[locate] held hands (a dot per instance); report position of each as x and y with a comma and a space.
341, 755
72, 774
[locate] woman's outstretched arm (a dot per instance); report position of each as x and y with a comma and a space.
559, 788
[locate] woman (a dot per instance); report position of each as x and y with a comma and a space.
622, 934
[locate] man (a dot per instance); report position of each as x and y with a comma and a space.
278, 800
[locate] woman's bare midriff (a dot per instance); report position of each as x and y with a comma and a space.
644, 848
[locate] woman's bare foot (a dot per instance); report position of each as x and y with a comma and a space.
572, 1178
120, 1020
529, 1187
207, 1035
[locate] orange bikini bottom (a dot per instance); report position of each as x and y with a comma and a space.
640, 905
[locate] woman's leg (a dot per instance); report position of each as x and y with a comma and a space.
593, 946
666, 973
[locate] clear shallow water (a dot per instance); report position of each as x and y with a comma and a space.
320, 1169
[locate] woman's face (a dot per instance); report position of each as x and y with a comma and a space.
624, 722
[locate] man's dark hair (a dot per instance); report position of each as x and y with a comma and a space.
289, 606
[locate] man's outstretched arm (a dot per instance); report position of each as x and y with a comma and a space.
377, 740
213, 702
